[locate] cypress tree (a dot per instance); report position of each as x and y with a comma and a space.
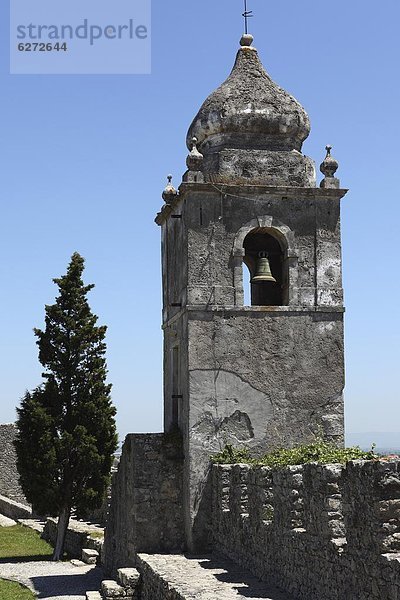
66, 426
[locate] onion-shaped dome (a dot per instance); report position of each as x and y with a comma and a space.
249, 111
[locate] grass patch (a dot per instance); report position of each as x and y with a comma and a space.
319, 451
23, 543
97, 535
9, 590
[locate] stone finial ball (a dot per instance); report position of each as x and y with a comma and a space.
194, 160
329, 165
170, 193
246, 40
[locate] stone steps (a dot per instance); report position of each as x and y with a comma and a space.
80, 535
89, 556
125, 588
93, 596
178, 577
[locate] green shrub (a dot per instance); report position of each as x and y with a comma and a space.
319, 451
230, 456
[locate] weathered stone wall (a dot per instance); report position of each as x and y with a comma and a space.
79, 535
262, 380
14, 510
213, 228
153, 585
9, 478
146, 500
180, 577
316, 531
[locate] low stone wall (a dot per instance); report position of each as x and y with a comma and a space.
146, 500
316, 531
14, 510
77, 537
180, 577
154, 586
9, 478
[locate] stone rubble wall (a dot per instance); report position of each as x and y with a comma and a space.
179, 577
154, 586
9, 478
14, 510
146, 500
329, 531
77, 537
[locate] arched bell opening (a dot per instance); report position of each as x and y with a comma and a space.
265, 259
246, 279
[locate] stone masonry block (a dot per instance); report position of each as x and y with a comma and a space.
128, 577
93, 596
89, 556
9, 478
111, 589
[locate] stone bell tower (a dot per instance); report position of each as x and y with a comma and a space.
269, 373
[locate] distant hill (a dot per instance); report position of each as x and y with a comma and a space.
386, 442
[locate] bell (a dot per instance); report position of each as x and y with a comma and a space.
263, 270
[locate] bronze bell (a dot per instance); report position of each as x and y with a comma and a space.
263, 270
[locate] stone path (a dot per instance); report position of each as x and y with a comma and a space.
54, 580
210, 578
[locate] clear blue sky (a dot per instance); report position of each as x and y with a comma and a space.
83, 163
